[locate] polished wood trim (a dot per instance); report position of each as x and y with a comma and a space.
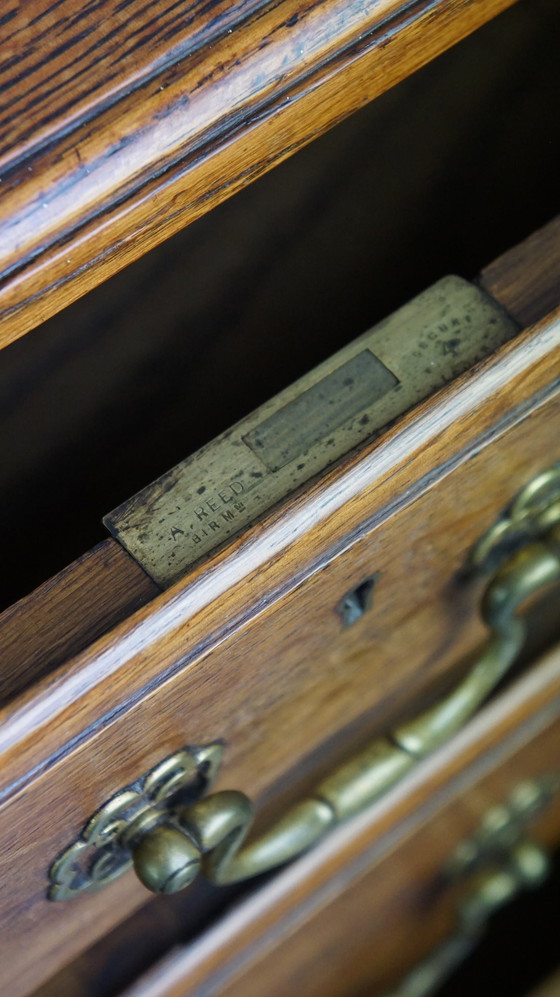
135, 154
391, 857
68, 63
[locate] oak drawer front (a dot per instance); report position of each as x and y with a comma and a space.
356, 915
250, 647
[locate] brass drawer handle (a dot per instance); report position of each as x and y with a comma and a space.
524, 867
496, 865
162, 826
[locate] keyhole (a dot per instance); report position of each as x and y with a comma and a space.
357, 601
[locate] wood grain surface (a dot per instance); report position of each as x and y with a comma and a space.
120, 127
68, 612
527, 292
352, 917
249, 647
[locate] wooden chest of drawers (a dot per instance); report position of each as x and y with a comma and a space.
120, 144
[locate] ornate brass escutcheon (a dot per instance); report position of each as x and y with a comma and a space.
168, 831
106, 847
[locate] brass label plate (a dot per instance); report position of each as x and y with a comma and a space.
216, 493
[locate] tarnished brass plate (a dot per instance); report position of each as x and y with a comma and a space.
218, 491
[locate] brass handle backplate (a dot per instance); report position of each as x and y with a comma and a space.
168, 829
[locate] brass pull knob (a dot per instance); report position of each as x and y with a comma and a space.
165, 860
163, 827
168, 858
